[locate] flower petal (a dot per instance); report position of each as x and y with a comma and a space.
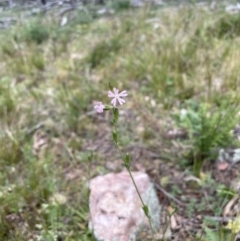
123, 93
121, 101
114, 102
115, 90
111, 94
117, 96
99, 107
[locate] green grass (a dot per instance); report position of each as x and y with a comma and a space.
51, 76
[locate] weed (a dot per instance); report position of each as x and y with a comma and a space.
213, 235
74, 102
38, 61
82, 18
120, 5
36, 32
118, 99
103, 50
8, 49
7, 100
228, 26
191, 207
208, 128
10, 149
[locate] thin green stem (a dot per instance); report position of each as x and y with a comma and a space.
131, 176
134, 183
232, 237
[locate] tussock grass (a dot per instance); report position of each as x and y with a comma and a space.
49, 78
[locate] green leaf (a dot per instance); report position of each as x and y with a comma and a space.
127, 161
146, 211
115, 136
115, 115
110, 86
211, 235
108, 107
90, 157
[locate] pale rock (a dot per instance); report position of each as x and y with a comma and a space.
229, 155
115, 209
233, 8
64, 21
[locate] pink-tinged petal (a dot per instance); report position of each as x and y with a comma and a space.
111, 94
117, 96
115, 90
121, 101
123, 93
99, 107
114, 102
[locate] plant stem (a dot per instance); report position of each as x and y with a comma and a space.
197, 165
133, 181
232, 237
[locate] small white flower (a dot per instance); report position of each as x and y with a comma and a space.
99, 107
117, 97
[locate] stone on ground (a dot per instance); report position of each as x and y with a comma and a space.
115, 209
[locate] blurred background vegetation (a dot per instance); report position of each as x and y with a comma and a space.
179, 63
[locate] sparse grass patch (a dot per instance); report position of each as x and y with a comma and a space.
227, 26
120, 5
83, 17
7, 98
103, 50
38, 61
10, 149
174, 62
8, 49
36, 32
